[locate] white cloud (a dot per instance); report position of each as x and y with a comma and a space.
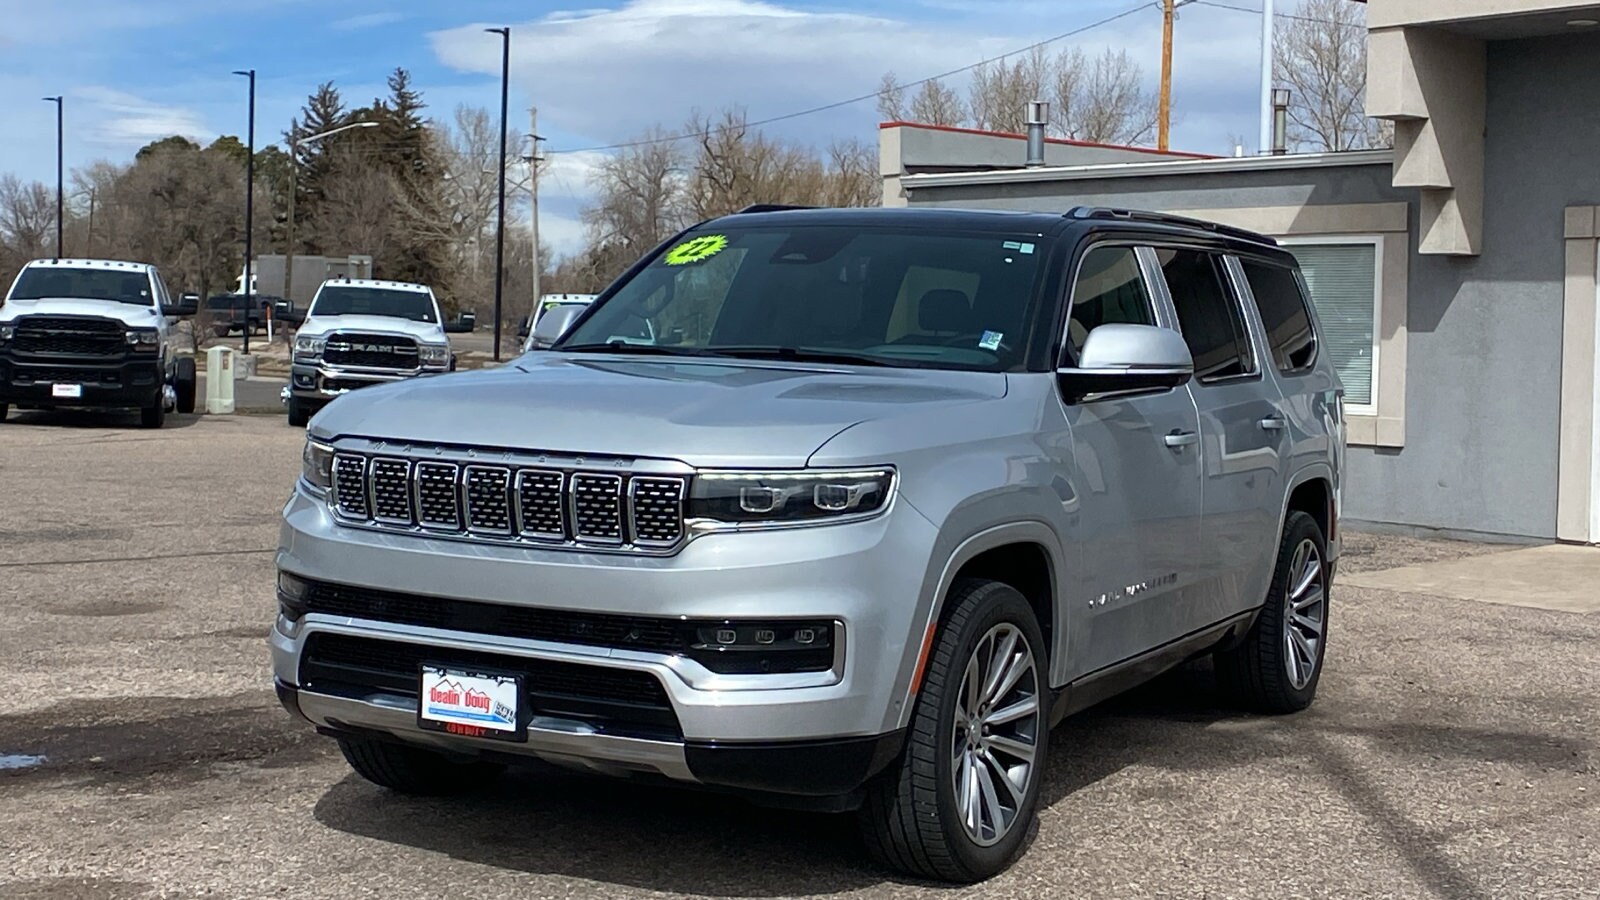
369, 20
564, 235
121, 119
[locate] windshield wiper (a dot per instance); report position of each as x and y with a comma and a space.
801, 354
640, 349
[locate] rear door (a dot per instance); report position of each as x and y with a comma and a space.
1242, 428
1137, 461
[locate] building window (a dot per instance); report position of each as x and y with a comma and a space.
1343, 280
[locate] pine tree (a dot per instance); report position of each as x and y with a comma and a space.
324, 110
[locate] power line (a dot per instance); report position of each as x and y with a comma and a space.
1276, 15
863, 97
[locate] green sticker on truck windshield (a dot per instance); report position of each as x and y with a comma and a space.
696, 249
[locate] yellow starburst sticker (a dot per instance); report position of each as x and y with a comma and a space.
696, 249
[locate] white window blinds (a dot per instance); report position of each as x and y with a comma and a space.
1342, 279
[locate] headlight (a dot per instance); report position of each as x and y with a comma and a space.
7, 332
434, 354
316, 465
143, 339
309, 346
789, 497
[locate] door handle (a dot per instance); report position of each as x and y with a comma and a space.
1181, 439
1272, 423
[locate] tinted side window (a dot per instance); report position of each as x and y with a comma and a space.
1207, 315
1110, 289
1283, 311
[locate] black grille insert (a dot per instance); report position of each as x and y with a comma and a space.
67, 336
617, 701
377, 351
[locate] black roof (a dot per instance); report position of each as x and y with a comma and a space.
1083, 217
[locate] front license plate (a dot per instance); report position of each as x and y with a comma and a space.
471, 703
66, 390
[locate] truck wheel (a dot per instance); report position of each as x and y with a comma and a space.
299, 415
153, 416
220, 331
1277, 666
5, 410
959, 804
184, 382
412, 770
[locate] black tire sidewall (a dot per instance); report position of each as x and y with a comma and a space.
996, 603
1297, 528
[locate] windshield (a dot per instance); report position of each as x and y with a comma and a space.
83, 284
340, 300
876, 295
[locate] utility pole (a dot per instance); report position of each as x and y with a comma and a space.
1164, 122
536, 156
249, 204
90, 251
500, 228
60, 178
1266, 78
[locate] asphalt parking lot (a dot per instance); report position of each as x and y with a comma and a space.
1452, 752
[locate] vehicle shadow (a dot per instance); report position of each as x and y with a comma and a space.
91, 419
678, 840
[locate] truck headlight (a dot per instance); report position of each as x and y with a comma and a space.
7, 332
316, 465
309, 347
789, 497
434, 354
143, 339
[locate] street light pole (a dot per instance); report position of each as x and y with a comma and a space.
1266, 77
294, 188
500, 227
249, 204
60, 177
535, 157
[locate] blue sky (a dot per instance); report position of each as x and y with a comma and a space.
599, 70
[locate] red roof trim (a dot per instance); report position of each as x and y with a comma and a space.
1049, 140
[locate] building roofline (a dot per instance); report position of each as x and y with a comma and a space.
1049, 140
1160, 167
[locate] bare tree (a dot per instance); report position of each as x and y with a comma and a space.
936, 104
641, 199
852, 175
358, 207
999, 95
1112, 106
891, 99
1321, 57
27, 221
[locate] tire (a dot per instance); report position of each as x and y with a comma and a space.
911, 820
1272, 670
5, 410
298, 414
153, 416
412, 770
184, 383
220, 331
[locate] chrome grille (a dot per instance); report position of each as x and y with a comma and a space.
488, 505
470, 498
597, 508
539, 504
350, 485
657, 510
436, 496
391, 491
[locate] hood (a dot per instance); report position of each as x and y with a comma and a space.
128, 313
316, 326
702, 413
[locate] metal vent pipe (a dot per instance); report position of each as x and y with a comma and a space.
1038, 115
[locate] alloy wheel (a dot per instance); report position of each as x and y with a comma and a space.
1305, 615
995, 742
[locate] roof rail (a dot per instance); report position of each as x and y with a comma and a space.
1156, 218
770, 207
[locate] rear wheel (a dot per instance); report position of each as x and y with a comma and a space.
1277, 666
153, 416
412, 770
184, 383
959, 805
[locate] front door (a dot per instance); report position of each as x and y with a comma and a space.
1137, 481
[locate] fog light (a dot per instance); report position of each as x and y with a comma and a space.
753, 648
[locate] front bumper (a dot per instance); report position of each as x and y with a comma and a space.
319, 381
118, 383
776, 733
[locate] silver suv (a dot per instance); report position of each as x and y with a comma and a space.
890, 493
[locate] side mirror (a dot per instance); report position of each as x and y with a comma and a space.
552, 325
1119, 358
187, 305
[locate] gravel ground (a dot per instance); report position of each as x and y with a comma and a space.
1452, 752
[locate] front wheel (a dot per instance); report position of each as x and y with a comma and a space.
153, 416
959, 805
183, 382
299, 414
1277, 666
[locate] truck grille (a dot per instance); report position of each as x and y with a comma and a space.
61, 375
377, 351
515, 503
615, 701
69, 336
